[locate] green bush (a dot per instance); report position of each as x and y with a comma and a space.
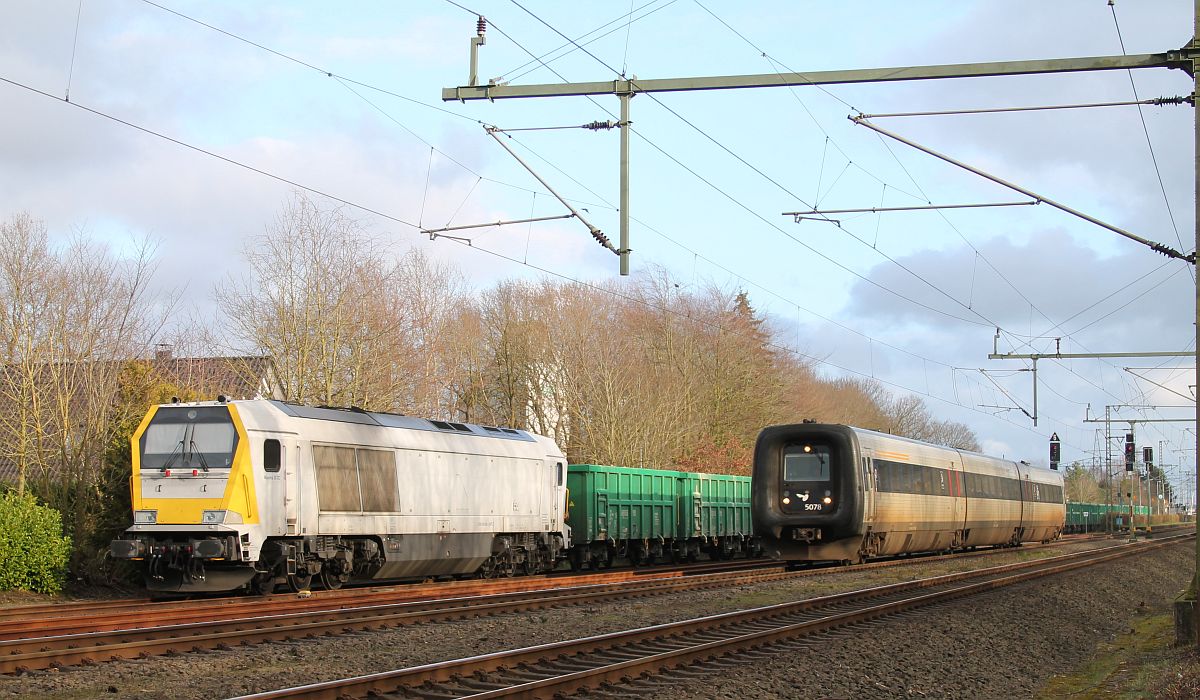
33, 550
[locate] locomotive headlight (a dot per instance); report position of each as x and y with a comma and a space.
827, 500
212, 517
145, 517
787, 501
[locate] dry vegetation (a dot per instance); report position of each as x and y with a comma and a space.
632, 372
638, 372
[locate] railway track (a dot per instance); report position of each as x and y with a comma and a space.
38, 637
36, 620
637, 657
178, 630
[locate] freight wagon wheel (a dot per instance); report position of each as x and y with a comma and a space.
299, 582
263, 583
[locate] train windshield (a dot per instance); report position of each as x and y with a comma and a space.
806, 463
189, 437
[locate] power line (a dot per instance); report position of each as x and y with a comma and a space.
346, 82
335, 198
209, 153
389, 217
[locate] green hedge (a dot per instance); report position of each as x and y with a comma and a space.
33, 550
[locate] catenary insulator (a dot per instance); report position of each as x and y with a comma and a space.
481, 25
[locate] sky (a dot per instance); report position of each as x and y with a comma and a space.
192, 123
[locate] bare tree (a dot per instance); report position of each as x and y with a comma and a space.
69, 318
344, 322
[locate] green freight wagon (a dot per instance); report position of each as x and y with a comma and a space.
619, 512
1099, 517
714, 516
646, 514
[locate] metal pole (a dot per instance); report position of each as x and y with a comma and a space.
1191, 594
624, 249
1108, 492
1035, 392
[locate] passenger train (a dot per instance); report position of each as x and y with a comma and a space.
235, 495
837, 493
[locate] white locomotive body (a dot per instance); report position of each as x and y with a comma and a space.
251, 494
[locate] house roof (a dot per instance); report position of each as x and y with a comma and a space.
241, 377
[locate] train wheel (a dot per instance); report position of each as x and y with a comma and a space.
330, 580
263, 583
299, 582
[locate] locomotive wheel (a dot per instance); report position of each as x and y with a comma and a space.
329, 579
299, 582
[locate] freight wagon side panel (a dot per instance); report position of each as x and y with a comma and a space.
718, 505
621, 503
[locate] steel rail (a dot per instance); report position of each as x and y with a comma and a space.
534, 683
48, 620
67, 649
19, 622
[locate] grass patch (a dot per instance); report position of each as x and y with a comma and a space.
1139, 664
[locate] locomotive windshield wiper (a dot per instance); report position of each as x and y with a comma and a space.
199, 455
171, 458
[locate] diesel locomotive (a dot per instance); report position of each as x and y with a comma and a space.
237, 495
837, 493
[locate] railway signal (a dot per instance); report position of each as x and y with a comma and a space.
1129, 452
1055, 451
1148, 456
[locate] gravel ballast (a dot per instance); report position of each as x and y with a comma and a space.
1005, 644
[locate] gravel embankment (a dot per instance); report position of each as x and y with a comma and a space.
1002, 646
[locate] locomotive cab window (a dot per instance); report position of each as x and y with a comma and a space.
272, 455
189, 437
806, 463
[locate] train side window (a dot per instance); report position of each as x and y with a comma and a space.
558, 470
272, 455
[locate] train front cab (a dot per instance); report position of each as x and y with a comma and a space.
807, 492
196, 521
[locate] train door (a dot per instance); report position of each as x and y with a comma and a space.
276, 460
868, 486
291, 481
557, 486
957, 496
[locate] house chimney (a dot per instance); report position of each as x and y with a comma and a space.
162, 352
